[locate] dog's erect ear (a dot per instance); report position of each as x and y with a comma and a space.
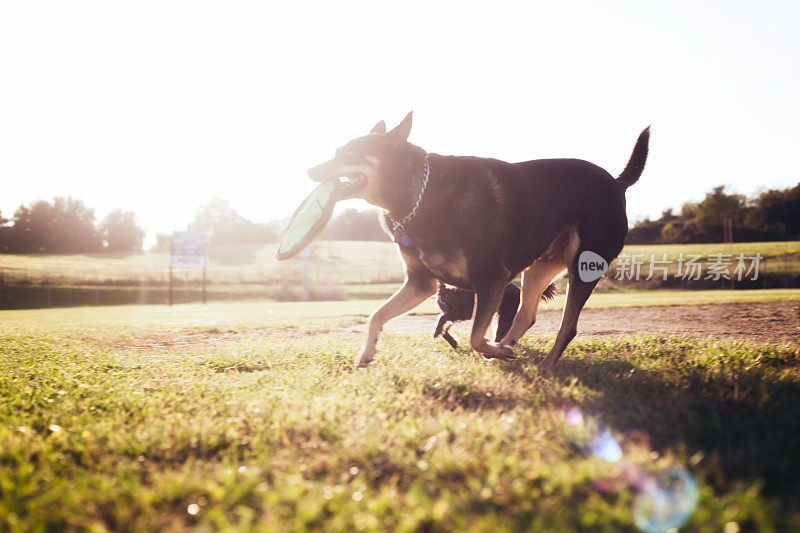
379, 128
403, 129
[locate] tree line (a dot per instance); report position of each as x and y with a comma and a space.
67, 225
772, 215
224, 225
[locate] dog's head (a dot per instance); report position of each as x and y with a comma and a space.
372, 166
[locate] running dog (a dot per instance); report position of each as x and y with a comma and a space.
459, 304
476, 223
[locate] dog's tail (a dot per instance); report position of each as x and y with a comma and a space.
636, 163
549, 293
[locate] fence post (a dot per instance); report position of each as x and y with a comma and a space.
306, 291
788, 274
142, 297
730, 241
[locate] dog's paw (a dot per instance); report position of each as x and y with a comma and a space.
495, 350
546, 366
508, 340
365, 357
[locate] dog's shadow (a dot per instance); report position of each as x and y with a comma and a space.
744, 420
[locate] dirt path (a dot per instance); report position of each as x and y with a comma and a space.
777, 322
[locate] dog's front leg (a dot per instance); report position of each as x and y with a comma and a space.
416, 288
410, 295
488, 300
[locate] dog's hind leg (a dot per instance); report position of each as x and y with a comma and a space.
488, 300
507, 311
535, 280
578, 292
604, 235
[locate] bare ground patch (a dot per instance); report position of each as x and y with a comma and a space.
165, 340
772, 322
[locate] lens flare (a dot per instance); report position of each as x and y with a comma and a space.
606, 447
591, 436
574, 416
665, 501
662, 502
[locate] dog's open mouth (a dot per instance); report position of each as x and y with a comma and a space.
352, 184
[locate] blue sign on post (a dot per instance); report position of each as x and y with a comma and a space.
188, 249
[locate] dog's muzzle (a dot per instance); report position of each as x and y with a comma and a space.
321, 172
351, 182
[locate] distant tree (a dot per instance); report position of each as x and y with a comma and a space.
777, 212
770, 215
120, 232
5, 234
645, 232
717, 207
680, 231
65, 226
689, 210
163, 243
355, 225
226, 226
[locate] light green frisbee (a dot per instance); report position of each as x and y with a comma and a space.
308, 220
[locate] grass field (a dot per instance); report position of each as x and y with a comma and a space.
343, 262
338, 270
249, 416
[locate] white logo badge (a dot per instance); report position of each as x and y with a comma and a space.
591, 266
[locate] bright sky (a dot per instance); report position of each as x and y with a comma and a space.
158, 107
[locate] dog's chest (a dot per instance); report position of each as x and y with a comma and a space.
451, 268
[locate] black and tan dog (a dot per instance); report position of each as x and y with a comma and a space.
458, 305
475, 223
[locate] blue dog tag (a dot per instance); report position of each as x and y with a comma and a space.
402, 238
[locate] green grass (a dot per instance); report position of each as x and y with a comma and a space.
677, 297
125, 418
777, 258
766, 249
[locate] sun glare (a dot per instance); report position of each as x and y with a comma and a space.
159, 108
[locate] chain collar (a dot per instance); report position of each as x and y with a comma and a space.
402, 223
